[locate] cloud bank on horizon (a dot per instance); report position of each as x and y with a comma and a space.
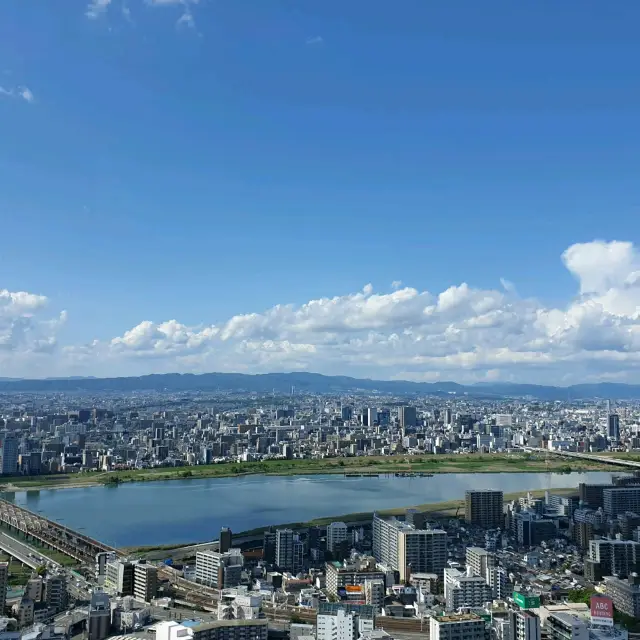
463, 333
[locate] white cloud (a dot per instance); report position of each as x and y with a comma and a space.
96, 8
315, 40
462, 333
23, 93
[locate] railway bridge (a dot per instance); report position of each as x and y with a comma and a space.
51, 534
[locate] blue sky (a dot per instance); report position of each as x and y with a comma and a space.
196, 161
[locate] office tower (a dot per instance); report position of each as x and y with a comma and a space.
284, 549
343, 621
226, 538
614, 427
119, 577
524, 625
409, 550
625, 594
145, 582
219, 570
372, 416
465, 590
298, 555
532, 530
337, 532
484, 508
612, 558
616, 500
99, 622
447, 416
564, 626
269, 547
591, 494
467, 626
346, 413
8, 455
408, 417
4, 579
56, 595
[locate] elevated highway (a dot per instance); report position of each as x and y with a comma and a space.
617, 462
25, 554
51, 534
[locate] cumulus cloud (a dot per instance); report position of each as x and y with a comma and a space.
462, 333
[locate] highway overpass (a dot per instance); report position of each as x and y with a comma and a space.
26, 554
617, 462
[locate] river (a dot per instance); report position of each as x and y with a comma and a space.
182, 511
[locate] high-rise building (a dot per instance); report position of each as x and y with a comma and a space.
145, 581
524, 625
8, 455
374, 592
343, 621
56, 594
625, 594
99, 622
409, 550
4, 579
226, 539
372, 416
408, 417
465, 590
269, 547
337, 532
480, 560
591, 494
564, 626
285, 539
614, 427
119, 577
617, 500
484, 508
618, 558
219, 570
466, 626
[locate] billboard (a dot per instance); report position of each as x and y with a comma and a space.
602, 610
526, 602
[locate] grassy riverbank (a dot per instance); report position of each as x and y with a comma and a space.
448, 509
426, 463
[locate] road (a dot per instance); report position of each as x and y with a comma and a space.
25, 553
588, 456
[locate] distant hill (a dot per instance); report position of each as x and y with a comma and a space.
317, 383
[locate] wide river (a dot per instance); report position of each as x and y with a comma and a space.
182, 511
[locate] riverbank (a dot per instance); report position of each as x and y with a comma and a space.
426, 463
446, 509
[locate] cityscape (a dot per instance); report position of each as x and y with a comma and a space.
560, 562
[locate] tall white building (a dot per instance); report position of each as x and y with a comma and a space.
457, 627
337, 532
406, 549
219, 570
343, 621
465, 590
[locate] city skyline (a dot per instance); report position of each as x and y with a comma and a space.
434, 193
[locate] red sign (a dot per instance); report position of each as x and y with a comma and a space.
601, 610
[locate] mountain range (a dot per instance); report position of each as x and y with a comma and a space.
317, 383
